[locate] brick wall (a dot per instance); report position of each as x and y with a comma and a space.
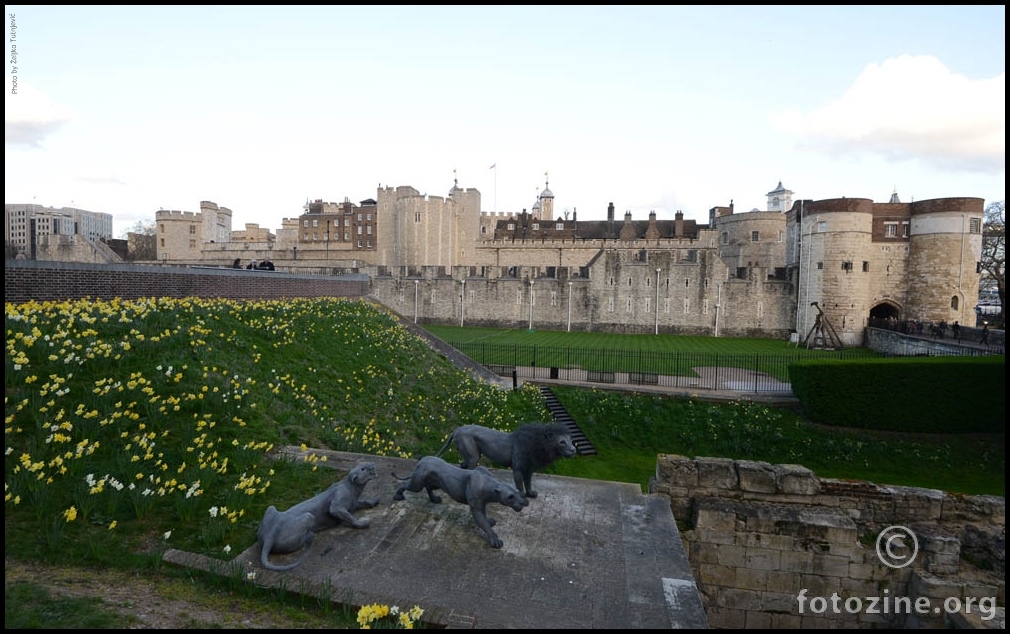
57, 281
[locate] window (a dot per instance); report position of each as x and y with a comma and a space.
417, 216
483, 229
755, 236
846, 266
315, 222
359, 230
890, 230
511, 226
192, 230
822, 226
369, 230
536, 226
904, 229
975, 225
359, 217
866, 266
368, 216
347, 222
953, 302
820, 266
725, 237
305, 222
780, 236
559, 226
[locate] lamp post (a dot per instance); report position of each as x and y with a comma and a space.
462, 300
569, 306
531, 303
416, 283
717, 302
657, 299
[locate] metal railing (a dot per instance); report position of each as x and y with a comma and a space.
702, 371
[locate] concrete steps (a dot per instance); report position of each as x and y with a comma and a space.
561, 415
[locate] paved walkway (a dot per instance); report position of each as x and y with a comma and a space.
584, 554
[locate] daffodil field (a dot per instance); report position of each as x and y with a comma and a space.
132, 426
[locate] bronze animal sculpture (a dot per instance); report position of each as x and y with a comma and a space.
473, 487
286, 531
531, 447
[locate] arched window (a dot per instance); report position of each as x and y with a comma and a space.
953, 302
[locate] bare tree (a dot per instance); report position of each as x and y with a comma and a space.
992, 266
142, 240
141, 227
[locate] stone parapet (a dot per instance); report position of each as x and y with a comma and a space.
758, 535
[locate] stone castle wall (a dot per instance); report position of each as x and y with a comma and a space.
758, 535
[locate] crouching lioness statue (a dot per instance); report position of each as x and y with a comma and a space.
287, 531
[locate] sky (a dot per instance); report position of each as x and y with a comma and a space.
128, 110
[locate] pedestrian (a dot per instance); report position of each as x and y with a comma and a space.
956, 330
985, 333
267, 265
237, 264
251, 266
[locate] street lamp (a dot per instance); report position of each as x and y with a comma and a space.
569, 306
462, 301
657, 299
531, 303
416, 282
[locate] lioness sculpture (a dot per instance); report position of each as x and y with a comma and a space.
529, 448
286, 531
473, 487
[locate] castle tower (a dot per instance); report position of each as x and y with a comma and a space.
780, 199
546, 201
837, 238
944, 247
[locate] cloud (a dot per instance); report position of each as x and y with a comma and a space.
30, 116
910, 108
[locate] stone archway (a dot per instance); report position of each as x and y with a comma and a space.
885, 310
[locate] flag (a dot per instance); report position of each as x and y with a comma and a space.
493, 166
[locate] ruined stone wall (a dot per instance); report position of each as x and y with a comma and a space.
758, 535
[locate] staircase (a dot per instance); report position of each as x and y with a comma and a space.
561, 415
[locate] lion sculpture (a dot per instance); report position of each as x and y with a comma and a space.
285, 532
473, 487
531, 447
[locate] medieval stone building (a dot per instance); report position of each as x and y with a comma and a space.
784, 272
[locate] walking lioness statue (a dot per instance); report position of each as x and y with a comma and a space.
529, 448
285, 532
474, 487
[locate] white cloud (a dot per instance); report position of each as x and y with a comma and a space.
30, 116
910, 107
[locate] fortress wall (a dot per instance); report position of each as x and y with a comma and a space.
759, 534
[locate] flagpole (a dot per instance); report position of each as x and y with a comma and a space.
495, 167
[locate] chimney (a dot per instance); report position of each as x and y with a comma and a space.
678, 224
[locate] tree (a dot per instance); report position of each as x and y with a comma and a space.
992, 265
141, 227
142, 240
